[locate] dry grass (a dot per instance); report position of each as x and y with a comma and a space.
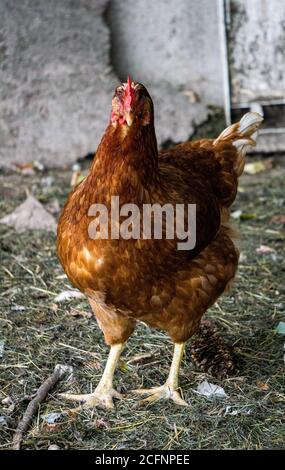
38, 334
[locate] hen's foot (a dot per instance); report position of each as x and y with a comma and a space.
100, 397
166, 392
104, 393
170, 389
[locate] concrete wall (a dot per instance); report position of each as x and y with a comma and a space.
257, 50
60, 61
176, 41
57, 78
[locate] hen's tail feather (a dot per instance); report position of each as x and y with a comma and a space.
241, 135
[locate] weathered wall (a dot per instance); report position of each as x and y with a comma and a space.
57, 82
257, 50
169, 40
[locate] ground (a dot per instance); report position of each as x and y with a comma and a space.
38, 334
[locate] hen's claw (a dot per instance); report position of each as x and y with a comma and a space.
103, 398
157, 393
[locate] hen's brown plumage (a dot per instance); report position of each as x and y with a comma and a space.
150, 280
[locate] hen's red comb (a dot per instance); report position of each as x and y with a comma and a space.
129, 93
129, 83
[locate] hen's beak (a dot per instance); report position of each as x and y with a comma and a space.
129, 117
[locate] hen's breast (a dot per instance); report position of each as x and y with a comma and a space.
121, 269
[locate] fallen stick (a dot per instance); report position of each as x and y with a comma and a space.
34, 404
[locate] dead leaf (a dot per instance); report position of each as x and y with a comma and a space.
30, 215
74, 312
7, 401
27, 169
49, 428
263, 249
52, 418
54, 308
93, 365
67, 295
262, 386
28, 172
8, 404
277, 219
258, 167
100, 423
30, 165
211, 390
24, 165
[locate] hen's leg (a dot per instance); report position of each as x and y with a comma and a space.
104, 393
170, 389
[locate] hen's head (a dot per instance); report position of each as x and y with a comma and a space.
131, 105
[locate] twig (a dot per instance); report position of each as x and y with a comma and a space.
97, 356
34, 404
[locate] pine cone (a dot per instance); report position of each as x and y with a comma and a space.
210, 353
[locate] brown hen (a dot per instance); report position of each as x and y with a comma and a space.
150, 279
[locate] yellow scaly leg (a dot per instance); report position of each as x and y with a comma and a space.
170, 389
104, 393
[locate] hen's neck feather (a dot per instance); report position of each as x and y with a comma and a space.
126, 165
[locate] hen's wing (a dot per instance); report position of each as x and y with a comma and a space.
215, 165
207, 172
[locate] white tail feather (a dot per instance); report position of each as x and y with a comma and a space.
243, 132
242, 135
249, 121
248, 130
